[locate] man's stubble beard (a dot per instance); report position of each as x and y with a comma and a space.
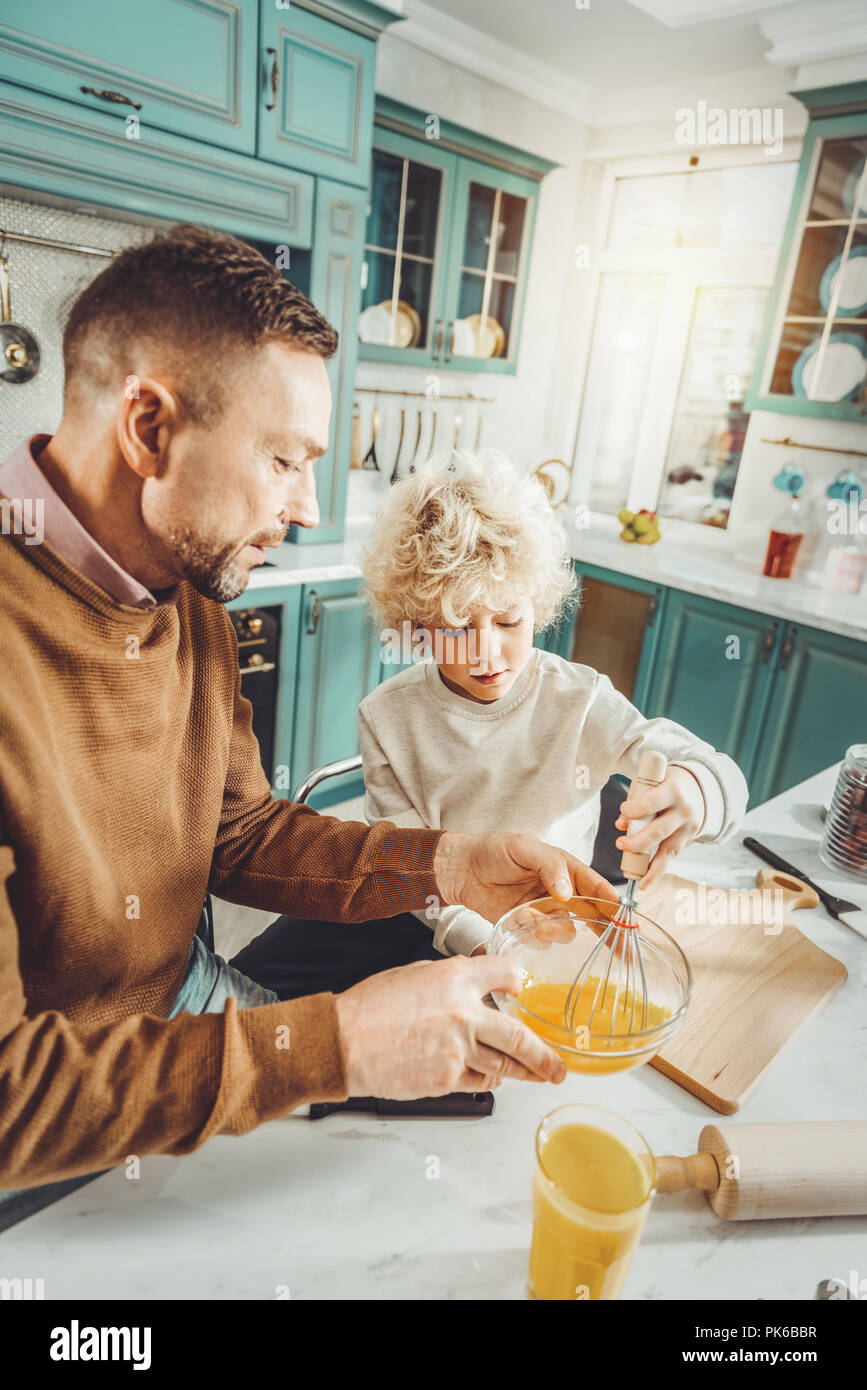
210, 572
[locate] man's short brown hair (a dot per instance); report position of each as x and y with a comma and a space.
202, 296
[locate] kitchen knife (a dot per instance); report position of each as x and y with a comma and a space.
834, 906
457, 1105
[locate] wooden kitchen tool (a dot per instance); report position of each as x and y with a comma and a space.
355, 456
755, 984
759, 1172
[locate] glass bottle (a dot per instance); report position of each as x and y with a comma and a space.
787, 527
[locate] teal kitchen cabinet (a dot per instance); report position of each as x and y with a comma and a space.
334, 288
612, 627
188, 68
812, 357
487, 267
447, 245
712, 671
317, 97
338, 664
617, 628
818, 707
50, 147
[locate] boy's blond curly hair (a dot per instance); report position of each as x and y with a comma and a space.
462, 533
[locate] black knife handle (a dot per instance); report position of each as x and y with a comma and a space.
457, 1105
777, 863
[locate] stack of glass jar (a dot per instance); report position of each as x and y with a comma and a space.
844, 837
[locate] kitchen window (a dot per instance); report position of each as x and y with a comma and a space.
683, 278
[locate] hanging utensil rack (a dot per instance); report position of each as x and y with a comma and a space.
421, 395
407, 396
55, 245
819, 448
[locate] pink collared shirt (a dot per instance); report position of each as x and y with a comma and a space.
51, 520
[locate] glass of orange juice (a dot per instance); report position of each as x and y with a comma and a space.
593, 1181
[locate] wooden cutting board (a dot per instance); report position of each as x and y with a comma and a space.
753, 989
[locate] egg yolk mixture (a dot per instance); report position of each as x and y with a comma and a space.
541, 1005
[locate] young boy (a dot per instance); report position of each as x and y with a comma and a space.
489, 732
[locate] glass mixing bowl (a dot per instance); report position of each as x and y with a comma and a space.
550, 941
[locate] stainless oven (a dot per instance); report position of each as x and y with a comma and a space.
258, 634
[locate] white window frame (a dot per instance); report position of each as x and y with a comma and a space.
687, 269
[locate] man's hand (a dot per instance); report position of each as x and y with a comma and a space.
423, 1030
677, 807
494, 873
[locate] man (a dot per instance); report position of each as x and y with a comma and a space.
196, 403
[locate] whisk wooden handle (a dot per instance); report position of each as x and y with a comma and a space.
652, 768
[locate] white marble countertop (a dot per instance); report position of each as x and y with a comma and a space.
720, 575
712, 573
342, 1208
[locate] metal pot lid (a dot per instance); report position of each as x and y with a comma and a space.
20, 354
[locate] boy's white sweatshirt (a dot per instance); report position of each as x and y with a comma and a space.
534, 761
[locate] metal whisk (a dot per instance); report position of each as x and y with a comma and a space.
617, 956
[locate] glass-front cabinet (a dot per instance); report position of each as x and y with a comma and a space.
815, 358
447, 247
407, 229
487, 274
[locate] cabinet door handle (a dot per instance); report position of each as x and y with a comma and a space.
274, 79
116, 98
768, 643
438, 339
652, 605
313, 622
787, 648
451, 346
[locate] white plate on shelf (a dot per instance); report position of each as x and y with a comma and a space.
851, 285
374, 325
842, 371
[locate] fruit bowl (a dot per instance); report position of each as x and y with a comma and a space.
550, 941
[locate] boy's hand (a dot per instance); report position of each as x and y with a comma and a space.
677, 807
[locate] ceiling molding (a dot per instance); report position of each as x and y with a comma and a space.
799, 34
488, 57
810, 33
677, 14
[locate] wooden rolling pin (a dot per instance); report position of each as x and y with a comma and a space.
759, 1172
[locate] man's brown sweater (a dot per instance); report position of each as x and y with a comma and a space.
130, 785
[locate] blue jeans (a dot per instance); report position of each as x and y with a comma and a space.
206, 986
209, 982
